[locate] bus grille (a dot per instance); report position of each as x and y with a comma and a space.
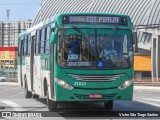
96, 78
107, 96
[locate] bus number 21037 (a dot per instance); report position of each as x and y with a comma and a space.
79, 83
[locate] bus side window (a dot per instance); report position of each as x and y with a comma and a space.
46, 41
19, 46
45, 38
39, 42
42, 41
24, 44
29, 44
36, 43
22, 47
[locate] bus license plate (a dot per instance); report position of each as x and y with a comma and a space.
95, 96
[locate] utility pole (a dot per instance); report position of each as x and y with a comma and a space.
8, 11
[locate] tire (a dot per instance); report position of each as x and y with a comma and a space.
35, 96
108, 105
27, 93
52, 105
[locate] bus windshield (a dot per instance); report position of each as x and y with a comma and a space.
94, 49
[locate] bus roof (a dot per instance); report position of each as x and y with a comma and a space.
89, 13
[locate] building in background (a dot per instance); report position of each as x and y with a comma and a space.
142, 65
9, 31
8, 67
8, 57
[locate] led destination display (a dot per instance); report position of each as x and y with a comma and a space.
75, 19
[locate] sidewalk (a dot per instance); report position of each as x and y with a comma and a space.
147, 82
10, 83
141, 87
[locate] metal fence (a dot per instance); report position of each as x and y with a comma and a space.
8, 72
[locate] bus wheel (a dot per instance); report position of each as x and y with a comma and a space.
52, 105
27, 93
35, 96
108, 105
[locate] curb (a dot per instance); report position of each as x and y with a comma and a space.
10, 83
147, 84
147, 87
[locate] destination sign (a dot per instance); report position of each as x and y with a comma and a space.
93, 19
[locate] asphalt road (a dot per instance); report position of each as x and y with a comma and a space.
144, 99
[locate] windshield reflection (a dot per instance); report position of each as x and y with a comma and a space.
93, 51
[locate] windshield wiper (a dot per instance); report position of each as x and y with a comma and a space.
78, 30
111, 33
109, 36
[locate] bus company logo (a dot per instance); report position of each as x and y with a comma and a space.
6, 114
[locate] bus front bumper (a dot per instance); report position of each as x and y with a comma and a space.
84, 94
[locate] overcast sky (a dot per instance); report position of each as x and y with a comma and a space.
19, 9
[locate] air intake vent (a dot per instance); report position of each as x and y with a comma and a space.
96, 78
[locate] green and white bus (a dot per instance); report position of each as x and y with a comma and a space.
78, 57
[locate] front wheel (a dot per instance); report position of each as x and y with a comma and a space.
35, 96
52, 105
108, 105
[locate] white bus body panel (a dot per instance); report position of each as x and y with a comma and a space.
37, 75
27, 64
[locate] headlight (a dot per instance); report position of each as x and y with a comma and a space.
63, 84
126, 84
